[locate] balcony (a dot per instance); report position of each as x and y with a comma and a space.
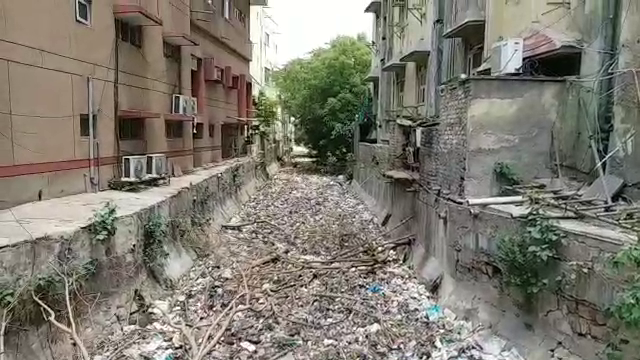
416, 52
465, 19
374, 7
395, 66
178, 39
374, 74
137, 12
231, 32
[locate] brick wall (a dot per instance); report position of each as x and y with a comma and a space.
443, 148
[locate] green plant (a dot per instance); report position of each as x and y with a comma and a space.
7, 296
155, 235
526, 256
103, 227
626, 308
324, 92
506, 176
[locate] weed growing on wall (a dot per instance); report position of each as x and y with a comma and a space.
526, 257
104, 227
626, 308
506, 176
16, 296
155, 235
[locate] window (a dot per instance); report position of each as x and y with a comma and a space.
267, 39
242, 19
212, 130
227, 9
131, 129
171, 51
474, 58
83, 11
199, 134
421, 83
84, 125
129, 33
173, 129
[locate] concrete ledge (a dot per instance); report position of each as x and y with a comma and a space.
34, 236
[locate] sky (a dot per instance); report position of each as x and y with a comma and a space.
304, 25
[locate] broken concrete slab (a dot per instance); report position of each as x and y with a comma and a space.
597, 189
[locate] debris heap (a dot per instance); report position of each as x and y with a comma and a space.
304, 272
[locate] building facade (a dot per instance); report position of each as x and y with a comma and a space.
264, 35
420, 46
123, 61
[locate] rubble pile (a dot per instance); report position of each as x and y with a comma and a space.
304, 272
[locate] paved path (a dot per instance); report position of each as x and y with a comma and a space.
63, 216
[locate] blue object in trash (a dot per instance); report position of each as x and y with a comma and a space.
375, 289
434, 312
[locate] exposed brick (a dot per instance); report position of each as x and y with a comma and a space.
443, 148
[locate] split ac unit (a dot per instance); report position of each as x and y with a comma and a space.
506, 57
218, 74
157, 165
134, 168
184, 105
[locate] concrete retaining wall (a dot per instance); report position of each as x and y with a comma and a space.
456, 248
389, 199
192, 207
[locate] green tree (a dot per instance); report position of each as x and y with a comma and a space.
325, 92
266, 112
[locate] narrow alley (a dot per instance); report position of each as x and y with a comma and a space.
304, 271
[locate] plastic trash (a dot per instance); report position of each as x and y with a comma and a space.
434, 312
375, 289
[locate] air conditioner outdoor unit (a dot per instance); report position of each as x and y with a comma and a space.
506, 57
157, 165
193, 106
184, 105
134, 168
218, 74
179, 104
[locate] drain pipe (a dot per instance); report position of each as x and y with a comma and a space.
116, 106
91, 135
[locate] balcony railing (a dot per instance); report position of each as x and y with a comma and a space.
465, 18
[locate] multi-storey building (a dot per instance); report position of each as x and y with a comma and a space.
122, 61
401, 43
264, 35
421, 45
264, 32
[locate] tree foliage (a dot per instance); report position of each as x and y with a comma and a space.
267, 112
325, 92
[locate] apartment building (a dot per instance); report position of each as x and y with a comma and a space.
124, 62
420, 45
402, 36
264, 35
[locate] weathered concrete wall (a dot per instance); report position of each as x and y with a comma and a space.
385, 196
510, 120
464, 246
193, 208
626, 163
486, 120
